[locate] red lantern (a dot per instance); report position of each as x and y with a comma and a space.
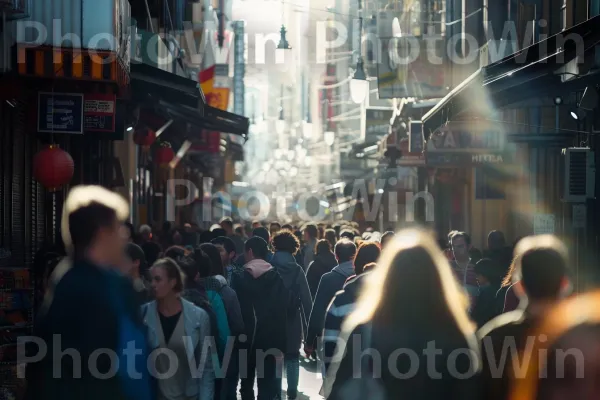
164, 154
144, 137
53, 167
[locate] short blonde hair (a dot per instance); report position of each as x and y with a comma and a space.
84, 196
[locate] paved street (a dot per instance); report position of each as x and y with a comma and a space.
310, 382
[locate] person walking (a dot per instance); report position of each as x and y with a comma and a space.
489, 277
463, 268
324, 262
263, 297
286, 245
541, 280
409, 301
171, 321
310, 235
90, 306
331, 283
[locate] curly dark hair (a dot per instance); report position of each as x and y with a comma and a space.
286, 241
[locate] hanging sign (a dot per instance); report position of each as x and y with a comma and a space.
543, 224
60, 113
99, 112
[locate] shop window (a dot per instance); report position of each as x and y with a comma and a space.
489, 184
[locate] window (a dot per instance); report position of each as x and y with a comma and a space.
489, 184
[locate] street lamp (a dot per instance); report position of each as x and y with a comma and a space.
359, 86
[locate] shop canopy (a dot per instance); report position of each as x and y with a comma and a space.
536, 71
181, 98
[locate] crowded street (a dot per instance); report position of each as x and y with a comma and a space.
299, 200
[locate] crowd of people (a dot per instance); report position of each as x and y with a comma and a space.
389, 315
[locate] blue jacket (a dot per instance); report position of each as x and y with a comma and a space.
91, 308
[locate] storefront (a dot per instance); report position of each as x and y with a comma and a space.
534, 97
173, 113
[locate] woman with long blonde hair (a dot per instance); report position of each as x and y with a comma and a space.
413, 315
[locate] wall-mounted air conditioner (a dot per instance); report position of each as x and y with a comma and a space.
580, 174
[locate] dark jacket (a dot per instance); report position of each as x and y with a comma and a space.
263, 298
509, 331
330, 284
486, 306
502, 256
342, 305
90, 308
322, 264
422, 384
219, 285
295, 280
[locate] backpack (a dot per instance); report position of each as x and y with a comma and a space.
294, 296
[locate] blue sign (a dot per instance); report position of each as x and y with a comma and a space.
60, 113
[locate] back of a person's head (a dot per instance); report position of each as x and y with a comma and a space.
263, 233
287, 227
145, 229
259, 247
206, 237
331, 235
190, 269
496, 240
347, 234
227, 222
175, 252
312, 231
345, 250
219, 232
368, 252
215, 258
203, 262
87, 210
541, 266
413, 284
322, 247
286, 241
226, 242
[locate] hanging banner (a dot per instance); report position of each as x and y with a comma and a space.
239, 67
217, 97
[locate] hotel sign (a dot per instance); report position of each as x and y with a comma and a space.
467, 143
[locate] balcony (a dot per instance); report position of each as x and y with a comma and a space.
79, 24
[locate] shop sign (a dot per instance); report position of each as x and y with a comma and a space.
377, 122
60, 113
465, 144
543, 224
99, 112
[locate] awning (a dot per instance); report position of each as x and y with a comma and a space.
182, 98
148, 80
531, 72
212, 119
